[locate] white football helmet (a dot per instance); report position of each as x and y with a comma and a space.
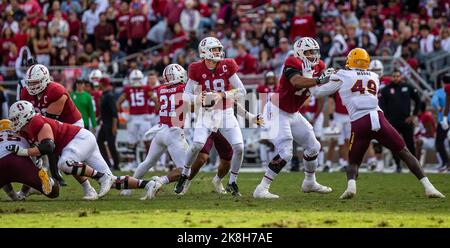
136, 78
37, 79
377, 67
95, 76
307, 44
174, 74
20, 113
205, 49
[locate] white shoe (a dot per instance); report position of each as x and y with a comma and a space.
126, 192
218, 186
348, 194
434, 193
152, 188
90, 194
313, 186
263, 192
106, 181
186, 187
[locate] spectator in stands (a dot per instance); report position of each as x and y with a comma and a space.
426, 41
104, 33
138, 27
89, 20
302, 24
71, 6
388, 41
11, 23
123, 20
265, 62
33, 11
445, 38
339, 46
74, 25
366, 30
245, 61
72, 73
438, 51
42, 46
173, 11
190, 17
269, 36
58, 30
109, 123
280, 55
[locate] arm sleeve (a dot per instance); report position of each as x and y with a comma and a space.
238, 90
289, 72
328, 88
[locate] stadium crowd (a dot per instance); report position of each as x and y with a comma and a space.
114, 36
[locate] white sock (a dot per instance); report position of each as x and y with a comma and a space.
328, 163
343, 162
310, 176
186, 170
426, 183
268, 178
217, 178
321, 157
233, 177
351, 185
86, 185
164, 180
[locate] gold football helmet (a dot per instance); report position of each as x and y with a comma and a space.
358, 58
5, 124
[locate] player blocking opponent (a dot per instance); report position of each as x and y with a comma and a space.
52, 100
286, 124
358, 88
218, 76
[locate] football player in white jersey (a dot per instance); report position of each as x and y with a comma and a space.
358, 88
215, 77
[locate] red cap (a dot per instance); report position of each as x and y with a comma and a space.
104, 81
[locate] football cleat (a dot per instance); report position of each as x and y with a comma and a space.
180, 184
218, 186
187, 185
45, 181
152, 188
308, 187
90, 194
263, 192
233, 189
106, 181
433, 193
348, 194
126, 192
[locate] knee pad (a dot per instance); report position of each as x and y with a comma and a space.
73, 167
197, 146
286, 153
312, 152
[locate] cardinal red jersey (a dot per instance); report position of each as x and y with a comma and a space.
338, 106
214, 80
262, 88
137, 98
447, 88
425, 117
63, 133
289, 98
52, 93
170, 105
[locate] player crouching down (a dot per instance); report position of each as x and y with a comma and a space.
19, 169
169, 133
76, 147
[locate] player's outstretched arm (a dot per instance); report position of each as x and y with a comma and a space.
326, 89
294, 76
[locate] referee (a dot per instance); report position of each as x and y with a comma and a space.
395, 101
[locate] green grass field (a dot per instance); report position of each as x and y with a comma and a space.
383, 200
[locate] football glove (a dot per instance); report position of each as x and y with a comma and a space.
444, 123
325, 76
17, 150
307, 69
